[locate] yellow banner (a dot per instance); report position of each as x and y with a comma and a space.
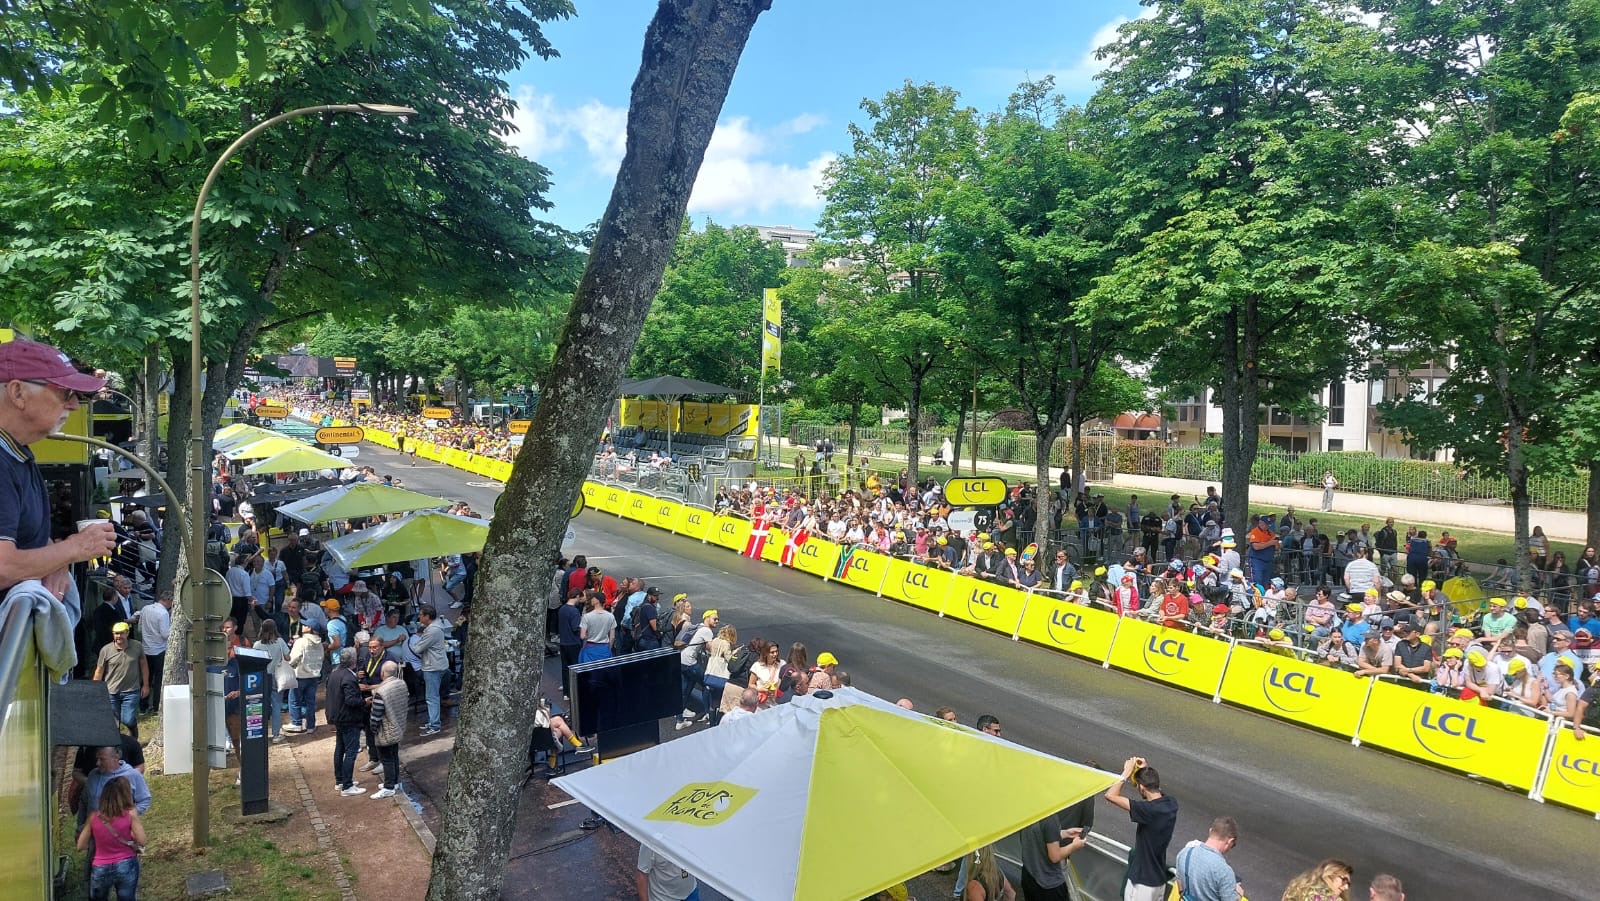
743, 421
984, 603
1168, 655
637, 507
664, 514
1573, 778
771, 331
1457, 735
818, 556
612, 498
773, 549
1074, 628
729, 531
986, 491
1291, 689
591, 494
866, 570
920, 586
694, 522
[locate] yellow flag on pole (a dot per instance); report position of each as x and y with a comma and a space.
771, 331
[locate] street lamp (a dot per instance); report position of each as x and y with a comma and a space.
197, 465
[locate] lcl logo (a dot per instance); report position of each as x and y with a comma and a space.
915, 580
1445, 734
728, 528
1289, 691
1163, 655
1065, 627
809, 549
1579, 772
982, 603
664, 511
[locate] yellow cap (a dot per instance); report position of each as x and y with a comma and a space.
708, 614
943, 541
1477, 657
1429, 585
1427, 640
1462, 633
1353, 608
1517, 665
119, 627
1099, 570
1011, 552
1076, 584
983, 536
680, 596
1452, 652
1497, 602
1275, 635
1372, 592
1521, 603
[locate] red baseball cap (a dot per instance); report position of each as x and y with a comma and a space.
23, 360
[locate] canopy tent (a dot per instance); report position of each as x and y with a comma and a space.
238, 436
828, 799
358, 500
427, 534
300, 458
263, 448
671, 389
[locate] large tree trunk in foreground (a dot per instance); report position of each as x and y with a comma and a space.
690, 52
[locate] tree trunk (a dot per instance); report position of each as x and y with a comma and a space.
850, 442
691, 50
172, 566
1593, 522
961, 428
1241, 413
1043, 489
149, 407
1521, 502
1077, 460
914, 429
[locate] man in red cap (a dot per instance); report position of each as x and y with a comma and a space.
39, 389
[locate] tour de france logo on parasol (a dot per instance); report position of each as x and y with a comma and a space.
703, 803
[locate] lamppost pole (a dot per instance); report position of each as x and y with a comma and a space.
198, 494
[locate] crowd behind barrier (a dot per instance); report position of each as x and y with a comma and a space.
1279, 663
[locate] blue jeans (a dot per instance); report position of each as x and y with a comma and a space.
122, 877
347, 741
303, 703
276, 701
433, 680
125, 704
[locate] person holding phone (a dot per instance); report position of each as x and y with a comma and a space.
1154, 816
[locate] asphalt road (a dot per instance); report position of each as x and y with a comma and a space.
1299, 796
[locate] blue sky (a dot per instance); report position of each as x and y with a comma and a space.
804, 74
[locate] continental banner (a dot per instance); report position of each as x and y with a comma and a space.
818, 556
1074, 628
1292, 689
987, 604
1573, 778
729, 531
664, 514
638, 507
694, 522
612, 499
1168, 655
866, 570
921, 586
1457, 735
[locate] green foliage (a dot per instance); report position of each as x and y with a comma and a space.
706, 320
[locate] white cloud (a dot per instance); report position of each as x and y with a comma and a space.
604, 130
543, 128
739, 179
1075, 78
534, 134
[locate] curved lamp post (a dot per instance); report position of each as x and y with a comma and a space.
197, 466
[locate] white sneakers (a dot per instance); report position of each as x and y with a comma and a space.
372, 767
382, 793
353, 791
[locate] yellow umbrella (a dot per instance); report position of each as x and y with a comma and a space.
428, 534
266, 447
358, 500
239, 436
300, 458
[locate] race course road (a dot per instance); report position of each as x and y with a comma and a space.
1299, 796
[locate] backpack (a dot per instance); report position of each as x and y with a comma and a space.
638, 625
739, 666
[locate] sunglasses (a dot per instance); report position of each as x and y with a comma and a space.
82, 397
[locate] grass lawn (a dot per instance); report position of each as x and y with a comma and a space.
263, 862
1474, 546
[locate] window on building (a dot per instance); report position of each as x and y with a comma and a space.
1336, 404
1335, 444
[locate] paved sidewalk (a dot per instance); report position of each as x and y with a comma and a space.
1561, 525
375, 838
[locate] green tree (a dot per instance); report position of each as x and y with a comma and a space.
1483, 246
706, 322
1027, 236
1241, 134
884, 202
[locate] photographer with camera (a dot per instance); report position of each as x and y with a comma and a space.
1154, 814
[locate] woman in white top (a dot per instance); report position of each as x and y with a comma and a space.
764, 673
273, 646
1564, 700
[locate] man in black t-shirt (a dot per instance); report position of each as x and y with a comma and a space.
1154, 816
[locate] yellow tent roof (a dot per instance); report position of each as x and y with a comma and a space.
299, 458
266, 447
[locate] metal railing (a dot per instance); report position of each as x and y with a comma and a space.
25, 797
